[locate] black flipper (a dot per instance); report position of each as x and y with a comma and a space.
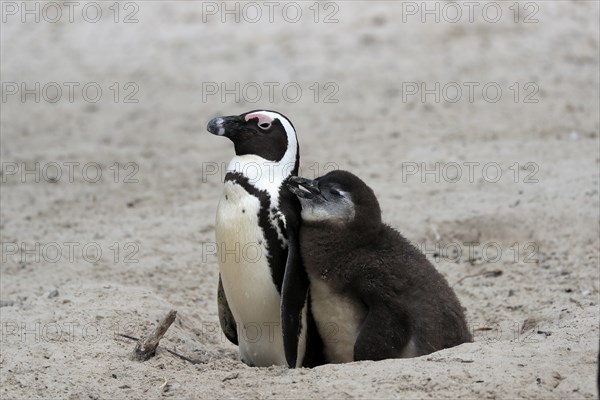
314, 354
294, 295
228, 324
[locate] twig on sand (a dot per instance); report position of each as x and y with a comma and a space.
170, 351
230, 377
165, 383
160, 329
146, 348
190, 360
492, 274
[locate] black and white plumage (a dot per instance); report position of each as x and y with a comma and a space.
263, 287
372, 291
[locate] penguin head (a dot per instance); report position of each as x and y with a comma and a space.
267, 134
339, 198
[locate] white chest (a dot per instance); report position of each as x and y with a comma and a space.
247, 280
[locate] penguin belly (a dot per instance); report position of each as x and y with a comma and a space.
247, 281
338, 318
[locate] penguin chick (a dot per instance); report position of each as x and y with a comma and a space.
374, 295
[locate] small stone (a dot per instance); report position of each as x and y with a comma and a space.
573, 135
6, 303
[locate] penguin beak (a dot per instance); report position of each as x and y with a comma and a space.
303, 188
225, 126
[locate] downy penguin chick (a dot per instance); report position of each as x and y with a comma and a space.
374, 295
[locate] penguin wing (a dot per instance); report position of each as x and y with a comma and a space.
294, 293
228, 324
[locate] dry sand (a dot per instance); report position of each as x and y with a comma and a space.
535, 322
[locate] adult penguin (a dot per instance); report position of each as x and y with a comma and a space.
263, 287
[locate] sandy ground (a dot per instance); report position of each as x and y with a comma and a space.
534, 309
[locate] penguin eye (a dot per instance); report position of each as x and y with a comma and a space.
264, 126
335, 192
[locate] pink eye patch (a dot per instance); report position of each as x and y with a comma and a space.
262, 118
